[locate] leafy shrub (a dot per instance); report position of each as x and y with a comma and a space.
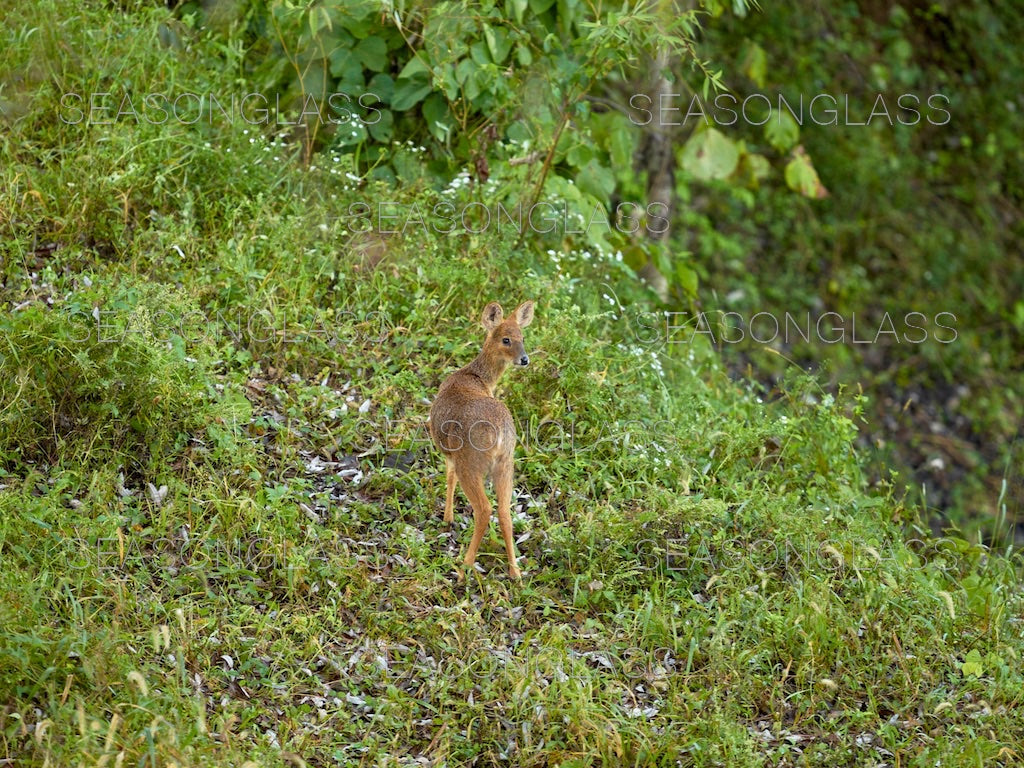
114, 382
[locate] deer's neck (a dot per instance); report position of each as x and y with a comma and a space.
488, 370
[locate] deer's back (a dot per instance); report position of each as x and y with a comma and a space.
466, 420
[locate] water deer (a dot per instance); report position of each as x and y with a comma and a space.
475, 431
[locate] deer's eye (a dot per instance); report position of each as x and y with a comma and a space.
506, 341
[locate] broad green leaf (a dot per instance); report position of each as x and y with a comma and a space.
621, 144
358, 18
634, 254
168, 37
519, 131
319, 18
755, 168
781, 130
447, 80
518, 8
346, 68
498, 43
755, 63
478, 51
351, 133
314, 81
596, 180
409, 168
437, 116
472, 87
373, 53
801, 176
383, 125
710, 155
972, 665
409, 92
384, 173
465, 68
579, 155
567, 10
344, 109
686, 276
415, 66
381, 86
339, 42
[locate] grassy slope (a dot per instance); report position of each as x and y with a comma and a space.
708, 582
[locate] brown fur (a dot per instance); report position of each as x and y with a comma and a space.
475, 431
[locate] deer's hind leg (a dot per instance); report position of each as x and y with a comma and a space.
473, 486
449, 499
503, 473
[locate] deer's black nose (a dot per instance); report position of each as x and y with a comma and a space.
524, 360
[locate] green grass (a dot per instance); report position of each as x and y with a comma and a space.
709, 581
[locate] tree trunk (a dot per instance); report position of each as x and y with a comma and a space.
656, 157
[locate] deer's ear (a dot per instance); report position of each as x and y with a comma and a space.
524, 314
493, 315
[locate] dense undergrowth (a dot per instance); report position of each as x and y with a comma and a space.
220, 533
922, 228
